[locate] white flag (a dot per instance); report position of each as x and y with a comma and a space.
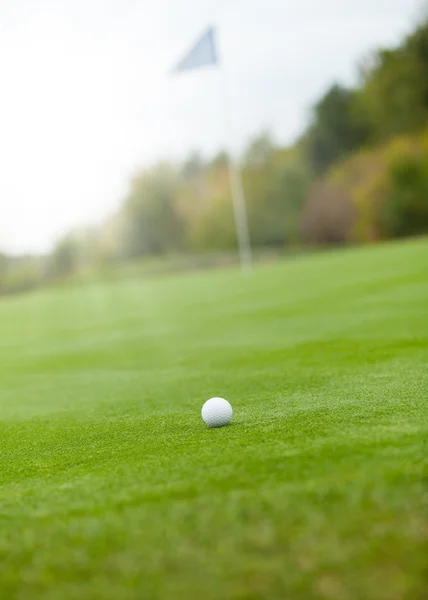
202, 54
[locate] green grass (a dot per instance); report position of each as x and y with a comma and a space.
113, 488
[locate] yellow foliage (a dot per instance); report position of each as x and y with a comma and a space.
363, 181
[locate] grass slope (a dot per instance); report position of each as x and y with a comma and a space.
112, 487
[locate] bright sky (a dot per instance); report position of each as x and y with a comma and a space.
85, 97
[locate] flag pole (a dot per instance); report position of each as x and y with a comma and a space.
204, 53
241, 218
239, 207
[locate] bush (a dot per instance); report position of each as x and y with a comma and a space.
405, 209
329, 214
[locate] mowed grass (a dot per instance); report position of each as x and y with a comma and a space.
113, 488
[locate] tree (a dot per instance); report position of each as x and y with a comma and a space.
4, 262
339, 126
259, 151
405, 209
64, 258
75, 251
152, 223
275, 194
221, 159
395, 87
193, 166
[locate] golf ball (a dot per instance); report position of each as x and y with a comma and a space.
216, 412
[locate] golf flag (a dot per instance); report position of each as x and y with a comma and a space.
202, 54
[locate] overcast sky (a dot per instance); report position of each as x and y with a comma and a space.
85, 97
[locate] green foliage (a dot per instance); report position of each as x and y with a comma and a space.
20, 274
392, 100
3, 267
259, 151
395, 88
221, 159
377, 193
193, 166
64, 258
405, 209
112, 487
74, 253
215, 227
364, 146
191, 208
150, 219
294, 182
275, 194
338, 128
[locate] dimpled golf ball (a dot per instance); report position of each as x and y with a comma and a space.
216, 412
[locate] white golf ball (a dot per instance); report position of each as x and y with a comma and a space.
216, 412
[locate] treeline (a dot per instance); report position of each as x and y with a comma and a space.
358, 173
368, 150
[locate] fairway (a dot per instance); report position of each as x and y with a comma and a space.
113, 488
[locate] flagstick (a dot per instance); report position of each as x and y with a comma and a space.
238, 199
241, 220
204, 53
